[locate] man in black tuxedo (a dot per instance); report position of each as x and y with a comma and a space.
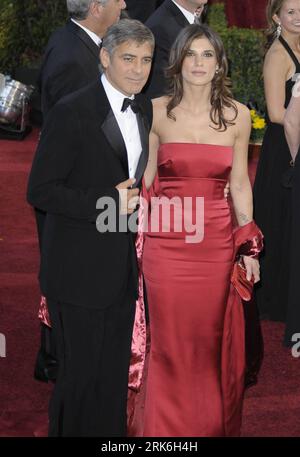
166, 23
140, 9
71, 59
93, 148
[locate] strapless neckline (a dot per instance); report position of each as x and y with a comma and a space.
195, 144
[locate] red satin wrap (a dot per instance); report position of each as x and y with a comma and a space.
248, 240
43, 313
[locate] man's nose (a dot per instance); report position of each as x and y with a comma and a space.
138, 67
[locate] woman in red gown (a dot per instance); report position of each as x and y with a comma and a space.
199, 142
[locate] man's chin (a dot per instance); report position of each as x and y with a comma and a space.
135, 89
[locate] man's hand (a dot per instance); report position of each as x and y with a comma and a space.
129, 197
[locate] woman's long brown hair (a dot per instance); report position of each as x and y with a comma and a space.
221, 95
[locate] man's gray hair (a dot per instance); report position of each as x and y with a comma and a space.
79, 9
127, 30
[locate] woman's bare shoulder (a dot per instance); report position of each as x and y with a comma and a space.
276, 55
160, 103
159, 111
240, 116
237, 111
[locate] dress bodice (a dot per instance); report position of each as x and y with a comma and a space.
193, 169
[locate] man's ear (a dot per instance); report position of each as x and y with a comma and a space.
104, 58
96, 9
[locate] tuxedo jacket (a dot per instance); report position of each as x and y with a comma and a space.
71, 61
81, 157
166, 23
140, 9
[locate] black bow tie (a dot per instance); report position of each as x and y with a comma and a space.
132, 103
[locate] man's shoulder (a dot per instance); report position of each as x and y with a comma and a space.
60, 35
166, 21
85, 96
65, 39
160, 14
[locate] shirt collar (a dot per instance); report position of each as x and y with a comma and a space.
114, 96
97, 40
190, 17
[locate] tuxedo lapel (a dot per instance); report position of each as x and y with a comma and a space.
113, 134
109, 126
144, 136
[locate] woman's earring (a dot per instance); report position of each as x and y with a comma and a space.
278, 30
217, 70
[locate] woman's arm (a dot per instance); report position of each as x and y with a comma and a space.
291, 124
240, 187
275, 76
154, 143
151, 168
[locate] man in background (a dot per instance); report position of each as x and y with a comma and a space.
166, 23
71, 60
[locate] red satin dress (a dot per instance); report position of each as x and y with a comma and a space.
188, 285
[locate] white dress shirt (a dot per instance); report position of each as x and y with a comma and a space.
190, 17
97, 40
128, 125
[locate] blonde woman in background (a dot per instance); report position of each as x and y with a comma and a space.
272, 188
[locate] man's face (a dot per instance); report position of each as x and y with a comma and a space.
111, 11
128, 68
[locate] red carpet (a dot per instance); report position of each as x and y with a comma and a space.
272, 408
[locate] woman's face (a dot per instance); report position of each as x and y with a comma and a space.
200, 64
289, 16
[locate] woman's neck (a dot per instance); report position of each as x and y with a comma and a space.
196, 99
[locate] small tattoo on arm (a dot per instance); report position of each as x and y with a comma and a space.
244, 218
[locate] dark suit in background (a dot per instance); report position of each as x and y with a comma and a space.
89, 278
71, 61
140, 9
165, 23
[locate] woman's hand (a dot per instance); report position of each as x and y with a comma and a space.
252, 268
